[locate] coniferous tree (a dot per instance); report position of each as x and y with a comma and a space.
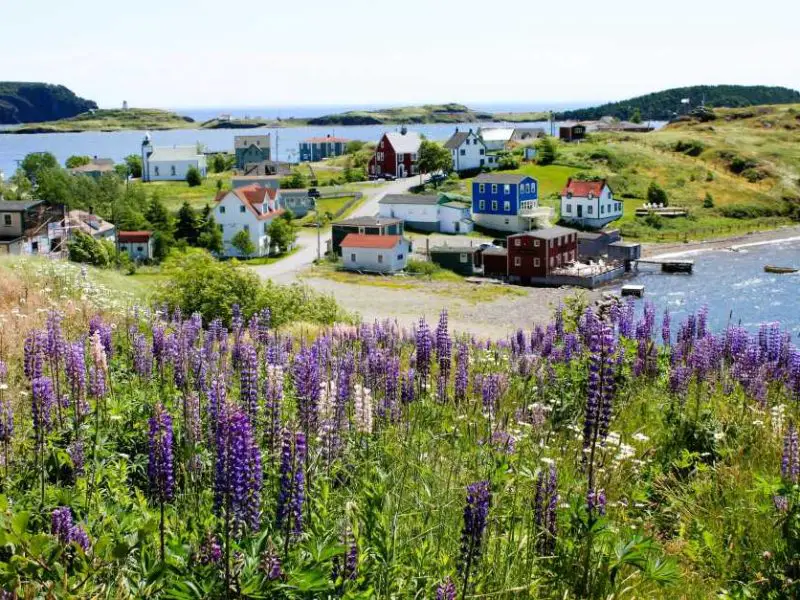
188, 227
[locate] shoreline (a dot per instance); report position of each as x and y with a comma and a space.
748, 240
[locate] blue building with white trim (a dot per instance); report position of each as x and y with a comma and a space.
506, 202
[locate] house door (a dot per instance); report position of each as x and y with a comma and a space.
401, 170
458, 227
580, 211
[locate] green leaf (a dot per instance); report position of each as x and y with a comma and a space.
121, 550
20, 522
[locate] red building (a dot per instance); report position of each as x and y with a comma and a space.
537, 253
396, 155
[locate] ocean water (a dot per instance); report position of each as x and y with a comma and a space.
733, 285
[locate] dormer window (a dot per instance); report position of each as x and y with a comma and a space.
569, 195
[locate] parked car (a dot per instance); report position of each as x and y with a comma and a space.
486, 245
500, 242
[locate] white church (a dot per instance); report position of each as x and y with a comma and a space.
170, 163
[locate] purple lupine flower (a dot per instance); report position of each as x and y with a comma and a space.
601, 386
238, 473
33, 351
248, 380
298, 487
407, 392
423, 357
391, 388
43, 399
103, 330
351, 559
491, 389
78, 535
160, 468
545, 503
286, 469
76, 455
210, 551
702, 321
790, 461
217, 398
273, 400
6, 412
97, 382
65, 530
476, 512
291, 494
596, 501
462, 372
271, 564
443, 347
446, 590
306, 377
142, 356
666, 334
781, 503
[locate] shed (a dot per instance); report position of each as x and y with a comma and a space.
459, 259
495, 262
137, 244
375, 253
594, 244
625, 252
363, 226
572, 132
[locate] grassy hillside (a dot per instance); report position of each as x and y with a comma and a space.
663, 105
27, 102
428, 113
113, 120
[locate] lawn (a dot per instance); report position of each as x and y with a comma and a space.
175, 193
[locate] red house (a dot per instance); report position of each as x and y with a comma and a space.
535, 254
396, 155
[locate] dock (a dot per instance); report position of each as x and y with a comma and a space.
669, 265
632, 289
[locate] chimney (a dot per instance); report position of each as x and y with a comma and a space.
403, 130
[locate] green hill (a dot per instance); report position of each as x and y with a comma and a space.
22, 102
427, 113
664, 105
113, 120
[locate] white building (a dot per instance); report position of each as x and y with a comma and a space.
454, 217
170, 163
589, 203
469, 152
136, 244
496, 138
251, 209
417, 211
375, 253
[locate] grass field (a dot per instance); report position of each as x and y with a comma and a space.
115, 120
175, 193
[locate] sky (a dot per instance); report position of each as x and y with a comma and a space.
202, 53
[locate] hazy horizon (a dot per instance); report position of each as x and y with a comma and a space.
204, 55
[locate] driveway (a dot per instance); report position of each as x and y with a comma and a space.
287, 269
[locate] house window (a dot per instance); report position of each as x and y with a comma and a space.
361, 230
400, 157
481, 151
242, 208
569, 195
568, 208
482, 205
380, 259
535, 243
506, 189
156, 170
517, 261
494, 204
507, 206
7, 220
602, 208
172, 170
463, 257
353, 256
139, 249
381, 147
222, 210
399, 257
535, 262
589, 210
507, 221
518, 242
463, 152
266, 227
494, 188
247, 228
481, 188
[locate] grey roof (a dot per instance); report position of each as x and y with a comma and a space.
589, 235
409, 199
500, 178
405, 143
622, 244
174, 153
495, 251
456, 140
521, 133
11, 206
547, 234
297, 193
453, 249
367, 221
456, 204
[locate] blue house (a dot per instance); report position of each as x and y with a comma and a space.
506, 202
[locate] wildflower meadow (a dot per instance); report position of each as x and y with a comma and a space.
148, 453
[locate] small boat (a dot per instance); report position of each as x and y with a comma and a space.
774, 269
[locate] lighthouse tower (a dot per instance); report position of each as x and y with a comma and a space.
147, 150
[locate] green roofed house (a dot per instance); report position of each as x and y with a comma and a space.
427, 212
318, 148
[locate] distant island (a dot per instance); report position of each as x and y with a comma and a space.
665, 105
427, 113
22, 102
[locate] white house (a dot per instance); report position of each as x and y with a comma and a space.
251, 209
375, 253
589, 203
496, 138
469, 152
170, 163
418, 211
454, 217
137, 244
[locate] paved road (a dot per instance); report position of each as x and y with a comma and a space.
286, 269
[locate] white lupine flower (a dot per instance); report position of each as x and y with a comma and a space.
362, 402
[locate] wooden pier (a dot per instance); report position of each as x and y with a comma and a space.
669, 265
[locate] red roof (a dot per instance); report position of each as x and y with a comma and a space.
581, 189
359, 240
258, 199
134, 237
319, 140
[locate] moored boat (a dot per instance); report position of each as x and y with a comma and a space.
774, 269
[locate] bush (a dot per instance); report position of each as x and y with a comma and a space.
749, 211
193, 177
353, 146
546, 152
421, 267
656, 194
242, 242
83, 248
508, 162
653, 220
708, 202
689, 147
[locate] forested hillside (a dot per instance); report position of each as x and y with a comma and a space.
35, 102
665, 104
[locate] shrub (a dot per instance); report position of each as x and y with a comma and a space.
193, 177
242, 242
689, 147
421, 267
656, 194
709, 176
708, 202
508, 162
83, 248
547, 152
653, 220
749, 211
